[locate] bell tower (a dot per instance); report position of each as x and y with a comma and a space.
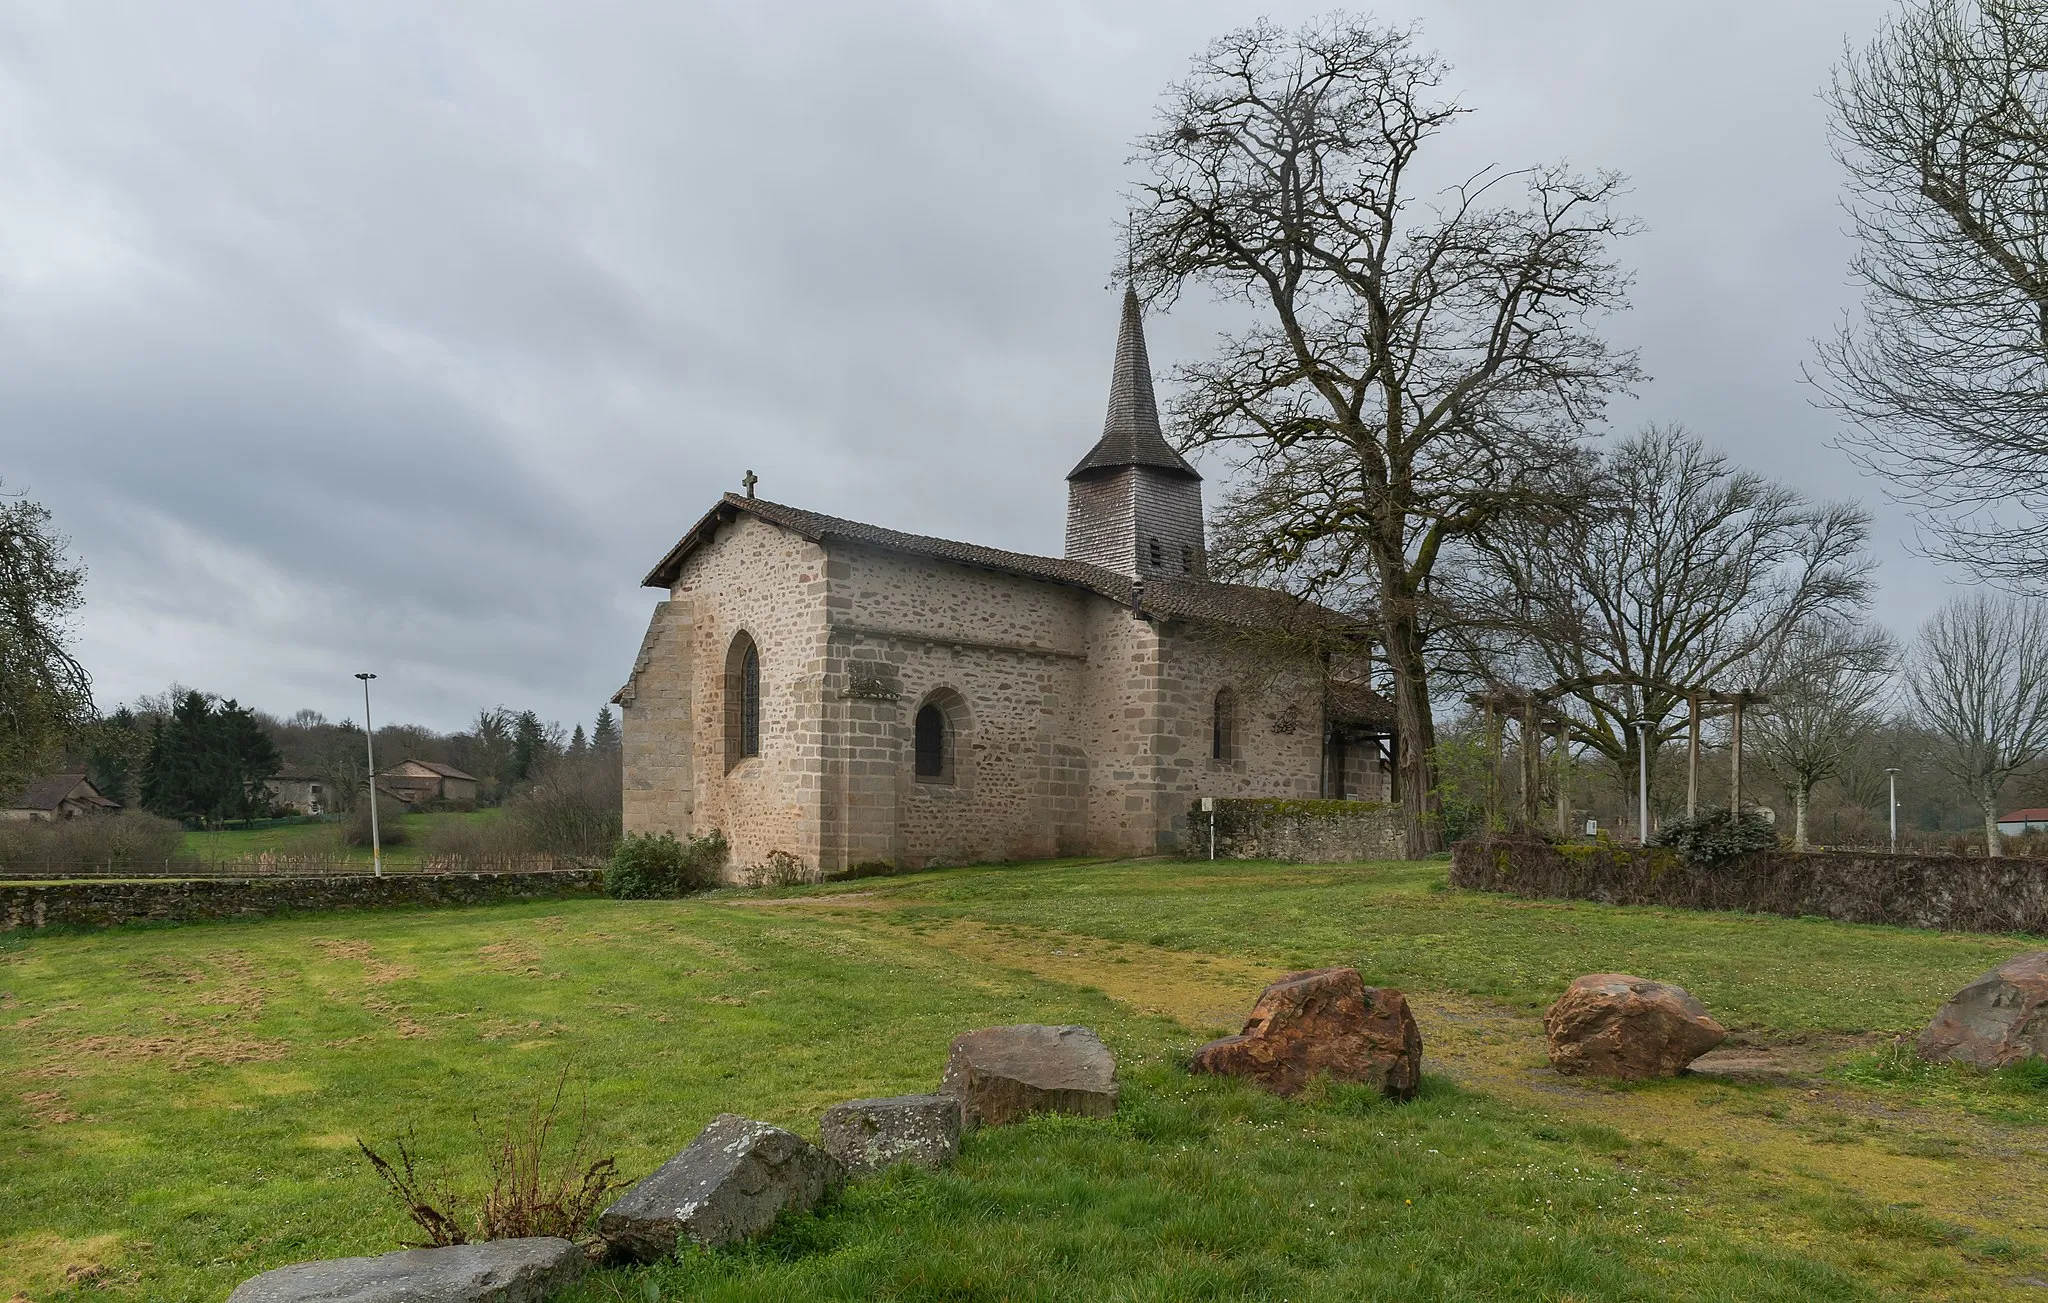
1134, 505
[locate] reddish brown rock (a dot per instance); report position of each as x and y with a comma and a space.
1614, 1025
1996, 1020
1327, 1021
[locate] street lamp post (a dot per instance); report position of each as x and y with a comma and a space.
1642, 781
1892, 804
370, 749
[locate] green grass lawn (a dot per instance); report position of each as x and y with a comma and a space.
324, 840
183, 1102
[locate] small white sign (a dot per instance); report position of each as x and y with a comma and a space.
1592, 827
1208, 805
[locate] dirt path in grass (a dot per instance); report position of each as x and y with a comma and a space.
1767, 1115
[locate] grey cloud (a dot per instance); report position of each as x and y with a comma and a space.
406, 336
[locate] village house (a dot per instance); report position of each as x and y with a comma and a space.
298, 789
60, 796
425, 782
846, 694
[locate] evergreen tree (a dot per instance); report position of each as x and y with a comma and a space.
604, 736
114, 755
529, 739
247, 757
577, 744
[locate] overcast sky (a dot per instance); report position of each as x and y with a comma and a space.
406, 337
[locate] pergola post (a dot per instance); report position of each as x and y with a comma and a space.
1692, 756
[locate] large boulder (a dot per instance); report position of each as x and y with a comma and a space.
502, 1271
1002, 1074
1615, 1025
730, 1184
866, 1135
2000, 1018
1323, 1022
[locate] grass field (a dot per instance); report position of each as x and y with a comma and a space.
183, 1103
323, 839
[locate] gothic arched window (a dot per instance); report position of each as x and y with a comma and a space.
935, 732
742, 701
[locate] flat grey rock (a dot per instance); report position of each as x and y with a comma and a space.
502, 1271
867, 1135
731, 1184
1005, 1074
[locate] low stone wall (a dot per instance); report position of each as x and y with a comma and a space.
106, 904
1299, 832
1950, 893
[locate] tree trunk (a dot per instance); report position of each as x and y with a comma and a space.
1421, 810
1799, 792
1991, 844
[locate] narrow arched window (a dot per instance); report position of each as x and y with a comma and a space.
931, 742
742, 701
750, 703
1223, 727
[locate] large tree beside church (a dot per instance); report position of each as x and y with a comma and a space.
45, 694
1421, 359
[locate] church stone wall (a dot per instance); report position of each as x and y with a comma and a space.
1076, 728
771, 584
1002, 656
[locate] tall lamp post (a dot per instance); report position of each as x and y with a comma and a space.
1642, 781
370, 748
1892, 804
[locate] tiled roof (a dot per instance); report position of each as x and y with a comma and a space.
51, 792
297, 774
1357, 703
1166, 598
446, 771
1130, 432
2035, 815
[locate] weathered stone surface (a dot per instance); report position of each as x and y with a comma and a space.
502, 1271
866, 1135
730, 1184
1996, 1020
1323, 1021
1615, 1025
1002, 1074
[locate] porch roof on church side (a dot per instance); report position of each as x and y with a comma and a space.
1240, 605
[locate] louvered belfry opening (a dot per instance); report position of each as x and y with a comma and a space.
1133, 501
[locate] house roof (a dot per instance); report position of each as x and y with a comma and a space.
434, 767
50, 792
2036, 814
297, 774
1130, 432
1173, 598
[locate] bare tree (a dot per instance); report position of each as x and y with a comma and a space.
1416, 365
1979, 675
1682, 574
1827, 696
45, 694
1942, 125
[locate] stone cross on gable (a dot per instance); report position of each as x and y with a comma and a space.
748, 481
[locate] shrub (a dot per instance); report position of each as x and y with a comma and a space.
648, 866
1718, 836
780, 869
572, 809
391, 829
527, 1190
92, 841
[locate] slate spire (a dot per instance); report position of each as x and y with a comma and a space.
1130, 432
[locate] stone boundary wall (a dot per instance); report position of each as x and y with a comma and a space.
1949, 893
108, 904
1297, 831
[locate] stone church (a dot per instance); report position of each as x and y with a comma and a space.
846, 694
